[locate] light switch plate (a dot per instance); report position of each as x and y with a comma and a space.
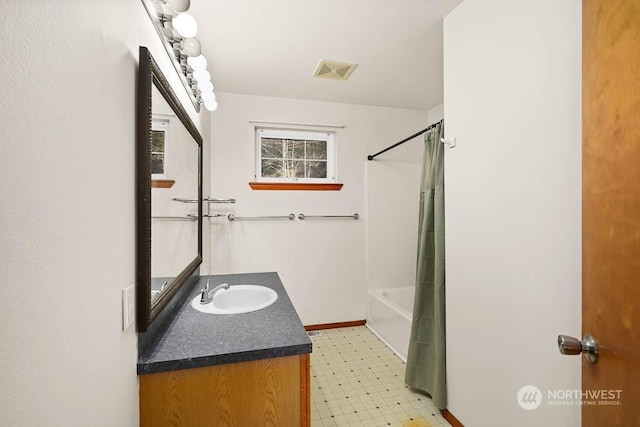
128, 306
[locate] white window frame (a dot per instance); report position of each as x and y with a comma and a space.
328, 137
162, 125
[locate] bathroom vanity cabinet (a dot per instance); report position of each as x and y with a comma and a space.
241, 370
267, 392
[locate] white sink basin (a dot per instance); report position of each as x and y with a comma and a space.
237, 299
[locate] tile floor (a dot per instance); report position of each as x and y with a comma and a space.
356, 380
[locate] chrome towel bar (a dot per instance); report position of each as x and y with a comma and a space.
177, 199
176, 218
303, 216
232, 217
206, 200
214, 200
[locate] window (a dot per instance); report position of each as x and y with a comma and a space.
159, 136
294, 156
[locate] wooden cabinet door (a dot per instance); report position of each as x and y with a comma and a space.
268, 392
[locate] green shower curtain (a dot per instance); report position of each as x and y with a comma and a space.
426, 358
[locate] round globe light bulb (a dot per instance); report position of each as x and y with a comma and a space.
208, 94
210, 105
201, 75
179, 5
205, 86
191, 47
197, 62
208, 98
185, 25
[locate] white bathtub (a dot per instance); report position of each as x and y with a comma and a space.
389, 316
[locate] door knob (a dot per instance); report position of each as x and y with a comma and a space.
571, 346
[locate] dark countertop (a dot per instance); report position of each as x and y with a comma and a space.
194, 339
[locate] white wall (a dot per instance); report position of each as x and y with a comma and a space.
513, 205
67, 237
322, 263
393, 197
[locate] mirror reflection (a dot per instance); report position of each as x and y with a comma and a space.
174, 196
168, 195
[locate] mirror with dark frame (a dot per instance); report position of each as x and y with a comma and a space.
168, 193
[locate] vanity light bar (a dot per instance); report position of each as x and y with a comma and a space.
178, 29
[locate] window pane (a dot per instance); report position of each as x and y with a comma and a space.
271, 168
288, 155
271, 148
157, 163
294, 169
316, 169
157, 141
294, 148
317, 150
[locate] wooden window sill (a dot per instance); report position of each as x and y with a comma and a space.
162, 183
295, 186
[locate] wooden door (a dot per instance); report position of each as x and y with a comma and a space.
611, 206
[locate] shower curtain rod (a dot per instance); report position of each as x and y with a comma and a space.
372, 156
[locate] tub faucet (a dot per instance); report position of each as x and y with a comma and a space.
207, 294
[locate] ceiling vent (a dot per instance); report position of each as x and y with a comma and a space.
334, 70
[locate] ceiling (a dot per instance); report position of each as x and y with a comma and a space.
272, 48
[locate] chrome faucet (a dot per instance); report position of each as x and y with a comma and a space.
207, 294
